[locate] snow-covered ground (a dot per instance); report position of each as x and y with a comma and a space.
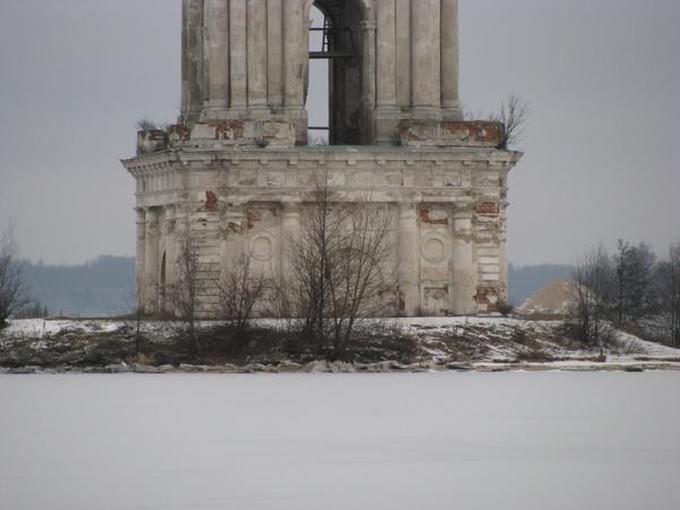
476, 342
308, 442
41, 328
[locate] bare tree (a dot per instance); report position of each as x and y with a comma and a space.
513, 115
359, 280
668, 293
133, 311
12, 284
184, 293
146, 124
633, 275
593, 276
339, 276
240, 291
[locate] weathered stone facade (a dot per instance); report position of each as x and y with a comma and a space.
236, 173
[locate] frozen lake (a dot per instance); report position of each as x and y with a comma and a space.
303, 442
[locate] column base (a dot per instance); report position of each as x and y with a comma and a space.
387, 121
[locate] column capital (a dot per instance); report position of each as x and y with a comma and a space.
152, 214
291, 207
407, 208
234, 213
463, 212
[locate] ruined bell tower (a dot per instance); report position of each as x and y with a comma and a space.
238, 161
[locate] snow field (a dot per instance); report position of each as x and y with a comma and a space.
390, 441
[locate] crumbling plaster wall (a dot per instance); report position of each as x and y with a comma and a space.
235, 177
449, 216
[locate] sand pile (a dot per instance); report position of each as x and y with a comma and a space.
554, 300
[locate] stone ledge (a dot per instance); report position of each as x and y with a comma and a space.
452, 134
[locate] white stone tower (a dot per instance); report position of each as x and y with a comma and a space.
236, 171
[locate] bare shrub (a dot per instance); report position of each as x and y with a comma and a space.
134, 315
183, 294
12, 284
338, 269
146, 124
505, 308
513, 115
239, 292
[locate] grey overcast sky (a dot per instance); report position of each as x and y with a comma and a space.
601, 77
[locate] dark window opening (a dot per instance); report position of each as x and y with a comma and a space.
319, 94
334, 89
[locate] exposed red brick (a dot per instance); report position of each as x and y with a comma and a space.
211, 202
234, 228
253, 217
425, 217
183, 133
484, 295
476, 131
488, 208
228, 129
157, 135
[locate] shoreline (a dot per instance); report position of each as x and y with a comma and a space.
417, 345
386, 367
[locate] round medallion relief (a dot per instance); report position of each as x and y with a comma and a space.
261, 248
434, 250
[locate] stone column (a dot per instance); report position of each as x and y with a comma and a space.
403, 53
502, 255
368, 59
217, 51
238, 45
296, 47
275, 55
293, 45
141, 258
409, 261
449, 56
386, 53
192, 60
151, 261
257, 54
425, 73
387, 113
464, 278
170, 249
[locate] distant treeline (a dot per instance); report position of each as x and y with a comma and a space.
105, 286
100, 288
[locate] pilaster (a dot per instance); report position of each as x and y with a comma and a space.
151, 261
291, 228
464, 278
141, 258
409, 270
